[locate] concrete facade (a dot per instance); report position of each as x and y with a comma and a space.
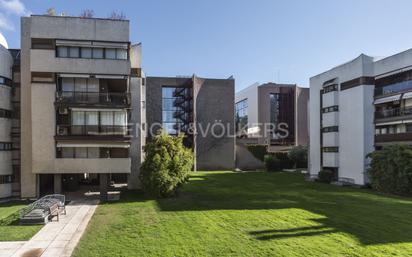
44, 70
350, 107
6, 170
208, 107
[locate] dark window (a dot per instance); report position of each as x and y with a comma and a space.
333, 108
332, 149
330, 129
5, 81
6, 179
330, 88
91, 152
5, 113
241, 114
42, 43
88, 52
5, 146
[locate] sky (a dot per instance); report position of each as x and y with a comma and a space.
255, 41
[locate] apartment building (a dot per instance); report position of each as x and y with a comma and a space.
261, 105
358, 107
81, 94
202, 109
73, 103
6, 168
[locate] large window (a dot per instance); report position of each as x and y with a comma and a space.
92, 152
175, 109
241, 114
91, 53
99, 122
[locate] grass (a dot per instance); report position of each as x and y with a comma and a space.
10, 230
252, 214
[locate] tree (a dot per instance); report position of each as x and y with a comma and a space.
391, 169
51, 11
87, 13
167, 165
299, 156
115, 15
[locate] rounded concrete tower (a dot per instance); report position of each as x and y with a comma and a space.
6, 171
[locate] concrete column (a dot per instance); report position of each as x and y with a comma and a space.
57, 183
103, 187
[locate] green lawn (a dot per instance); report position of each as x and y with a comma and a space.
10, 230
252, 214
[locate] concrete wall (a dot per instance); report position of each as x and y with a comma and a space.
301, 115
214, 101
245, 159
215, 105
137, 119
79, 28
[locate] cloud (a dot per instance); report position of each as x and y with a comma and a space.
14, 7
5, 23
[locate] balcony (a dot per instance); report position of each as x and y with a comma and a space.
395, 112
96, 132
93, 98
399, 137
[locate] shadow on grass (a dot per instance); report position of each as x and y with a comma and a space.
372, 218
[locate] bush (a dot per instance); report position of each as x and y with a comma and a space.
272, 163
326, 176
391, 169
167, 165
285, 162
259, 151
299, 156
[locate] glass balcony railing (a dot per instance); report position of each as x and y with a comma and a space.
75, 97
393, 88
395, 112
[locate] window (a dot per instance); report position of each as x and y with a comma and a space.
98, 53
67, 84
5, 113
176, 109
62, 51
5, 146
89, 52
6, 179
91, 152
121, 54
74, 52
332, 149
409, 127
42, 43
241, 114
333, 108
330, 129
330, 88
86, 52
110, 53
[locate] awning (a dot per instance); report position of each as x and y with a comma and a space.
388, 99
407, 95
74, 75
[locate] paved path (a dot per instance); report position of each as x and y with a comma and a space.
56, 239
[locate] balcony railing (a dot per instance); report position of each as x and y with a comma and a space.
395, 112
75, 97
93, 130
398, 137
